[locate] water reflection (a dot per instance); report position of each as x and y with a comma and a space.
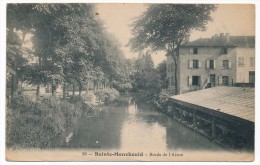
138, 134
125, 125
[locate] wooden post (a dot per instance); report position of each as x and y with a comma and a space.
64, 91
73, 90
194, 118
181, 114
213, 127
38, 90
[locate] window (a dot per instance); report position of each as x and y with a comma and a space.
251, 76
226, 64
211, 64
195, 50
212, 79
240, 61
225, 80
252, 61
195, 64
195, 80
224, 51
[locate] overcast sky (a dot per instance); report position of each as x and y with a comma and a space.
233, 19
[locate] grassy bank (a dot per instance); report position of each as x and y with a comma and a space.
36, 123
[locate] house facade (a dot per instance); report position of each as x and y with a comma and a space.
222, 60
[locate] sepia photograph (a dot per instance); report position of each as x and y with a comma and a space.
130, 82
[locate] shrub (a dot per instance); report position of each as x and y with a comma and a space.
39, 122
89, 97
22, 103
70, 113
75, 99
107, 94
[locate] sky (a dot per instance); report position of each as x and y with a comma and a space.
234, 19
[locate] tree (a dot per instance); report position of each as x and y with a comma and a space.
145, 78
164, 27
70, 44
64, 36
161, 71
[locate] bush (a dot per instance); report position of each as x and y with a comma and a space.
75, 99
38, 123
107, 94
89, 97
22, 103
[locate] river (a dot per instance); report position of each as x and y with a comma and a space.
125, 125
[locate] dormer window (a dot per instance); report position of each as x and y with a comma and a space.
224, 51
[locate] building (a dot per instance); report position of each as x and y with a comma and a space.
224, 114
221, 60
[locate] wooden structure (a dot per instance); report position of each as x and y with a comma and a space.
224, 114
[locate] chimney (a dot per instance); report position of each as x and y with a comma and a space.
228, 37
187, 38
221, 35
215, 36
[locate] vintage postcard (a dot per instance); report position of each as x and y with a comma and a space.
130, 82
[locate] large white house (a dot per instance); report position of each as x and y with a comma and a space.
219, 60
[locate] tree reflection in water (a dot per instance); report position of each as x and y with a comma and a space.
125, 125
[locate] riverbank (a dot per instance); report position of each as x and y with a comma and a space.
39, 122
124, 126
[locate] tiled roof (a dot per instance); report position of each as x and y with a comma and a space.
235, 41
243, 41
235, 101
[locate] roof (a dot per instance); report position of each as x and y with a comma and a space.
243, 41
235, 101
235, 41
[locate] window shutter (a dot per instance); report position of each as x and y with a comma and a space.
191, 50
190, 64
229, 64
207, 64
220, 80
214, 64
190, 80
199, 64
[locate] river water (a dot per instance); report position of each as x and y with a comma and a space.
126, 125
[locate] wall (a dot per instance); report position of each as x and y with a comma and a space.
204, 54
243, 72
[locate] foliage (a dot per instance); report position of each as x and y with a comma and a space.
75, 99
162, 104
161, 71
107, 94
70, 45
145, 77
123, 87
37, 123
164, 27
89, 97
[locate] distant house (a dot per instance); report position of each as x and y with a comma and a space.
221, 60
